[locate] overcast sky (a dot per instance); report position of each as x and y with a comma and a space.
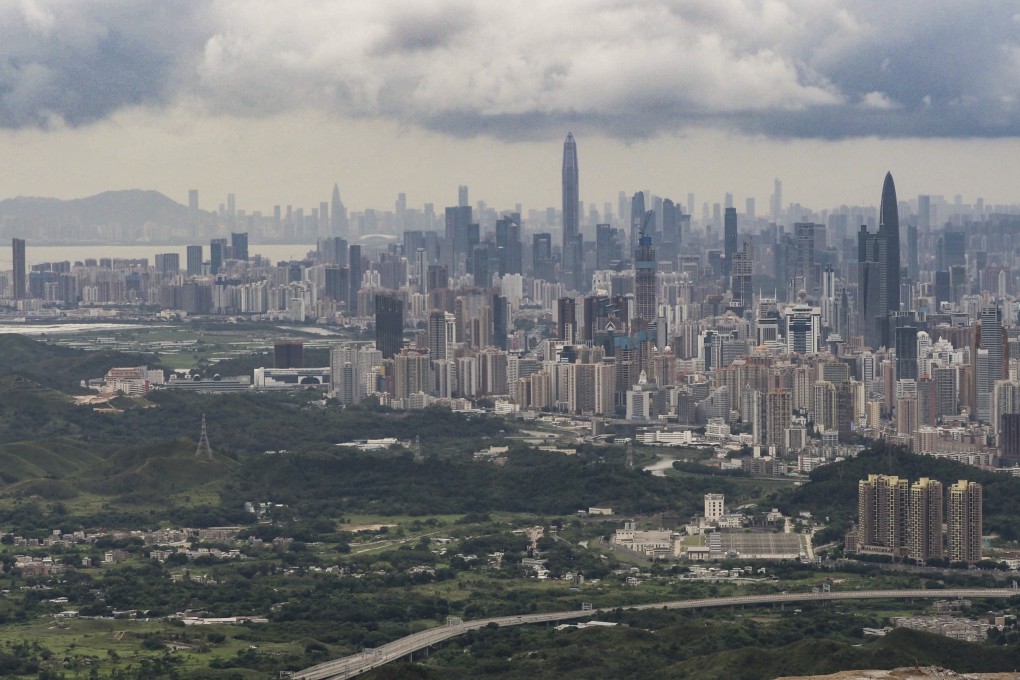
277, 100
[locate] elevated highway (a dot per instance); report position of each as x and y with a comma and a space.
350, 666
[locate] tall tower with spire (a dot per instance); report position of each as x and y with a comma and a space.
572, 249
889, 227
338, 214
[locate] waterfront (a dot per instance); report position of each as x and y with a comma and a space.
71, 253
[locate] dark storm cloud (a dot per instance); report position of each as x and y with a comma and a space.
79, 62
529, 70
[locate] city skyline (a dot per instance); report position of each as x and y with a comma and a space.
232, 98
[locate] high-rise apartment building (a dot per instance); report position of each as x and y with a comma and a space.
882, 503
964, 522
442, 334
925, 521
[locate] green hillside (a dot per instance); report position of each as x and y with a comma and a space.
147, 473
832, 492
60, 368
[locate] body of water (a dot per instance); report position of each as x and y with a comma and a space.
39, 254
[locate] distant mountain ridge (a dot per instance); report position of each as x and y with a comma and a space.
130, 209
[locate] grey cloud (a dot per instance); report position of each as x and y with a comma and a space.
79, 62
784, 68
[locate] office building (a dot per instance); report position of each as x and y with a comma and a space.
729, 239
354, 278
194, 260
239, 246
889, 227
637, 218
572, 261
337, 214
389, 325
289, 354
18, 273
644, 279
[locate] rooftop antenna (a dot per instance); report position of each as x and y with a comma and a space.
203, 443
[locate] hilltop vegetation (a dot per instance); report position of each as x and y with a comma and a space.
60, 368
832, 492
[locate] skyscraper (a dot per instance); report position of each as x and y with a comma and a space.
337, 214
194, 260
637, 218
729, 239
964, 522
572, 261
878, 256
239, 246
889, 226
925, 520
18, 273
389, 325
644, 279
354, 278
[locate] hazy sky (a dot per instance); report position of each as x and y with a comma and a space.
275, 101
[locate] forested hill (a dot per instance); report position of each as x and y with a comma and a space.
59, 368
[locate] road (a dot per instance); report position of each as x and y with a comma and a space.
350, 666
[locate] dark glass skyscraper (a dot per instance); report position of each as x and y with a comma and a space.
18, 273
879, 271
889, 226
572, 261
389, 325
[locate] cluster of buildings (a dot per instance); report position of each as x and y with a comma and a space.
920, 521
794, 326
714, 535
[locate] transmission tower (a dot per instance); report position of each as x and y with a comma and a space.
630, 455
418, 457
203, 443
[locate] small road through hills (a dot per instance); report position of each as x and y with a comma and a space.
350, 666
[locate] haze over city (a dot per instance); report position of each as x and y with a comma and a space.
699, 97
366, 338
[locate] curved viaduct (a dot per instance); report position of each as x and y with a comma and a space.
350, 666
